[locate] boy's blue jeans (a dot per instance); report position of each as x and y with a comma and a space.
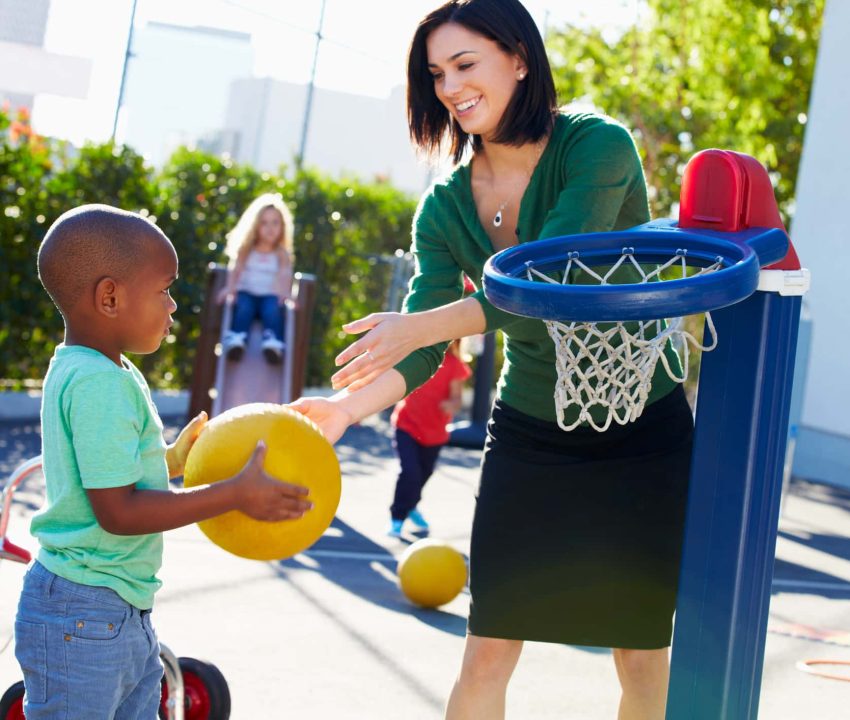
249, 307
85, 652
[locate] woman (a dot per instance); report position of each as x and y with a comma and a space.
576, 535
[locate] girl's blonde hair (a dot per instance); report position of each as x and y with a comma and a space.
243, 237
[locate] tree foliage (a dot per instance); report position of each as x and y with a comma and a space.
730, 74
25, 320
687, 76
343, 229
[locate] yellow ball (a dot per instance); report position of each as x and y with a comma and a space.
431, 573
297, 453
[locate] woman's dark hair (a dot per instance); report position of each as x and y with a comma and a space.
530, 112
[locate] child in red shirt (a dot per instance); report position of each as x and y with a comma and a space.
420, 432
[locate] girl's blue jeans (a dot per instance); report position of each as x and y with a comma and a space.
85, 652
248, 307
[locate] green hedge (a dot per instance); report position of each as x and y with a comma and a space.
343, 227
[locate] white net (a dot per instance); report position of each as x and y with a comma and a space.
605, 369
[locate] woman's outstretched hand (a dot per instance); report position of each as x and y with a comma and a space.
391, 337
331, 418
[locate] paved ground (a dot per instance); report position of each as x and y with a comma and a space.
329, 636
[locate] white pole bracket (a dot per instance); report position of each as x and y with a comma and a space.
785, 282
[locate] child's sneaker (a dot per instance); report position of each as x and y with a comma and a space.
234, 345
416, 518
395, 528
272, 348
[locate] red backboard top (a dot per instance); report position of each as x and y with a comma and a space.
729, 192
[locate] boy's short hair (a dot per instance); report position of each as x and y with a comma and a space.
87, 244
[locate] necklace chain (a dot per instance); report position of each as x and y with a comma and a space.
497, 218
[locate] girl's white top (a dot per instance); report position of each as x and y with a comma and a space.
260, 274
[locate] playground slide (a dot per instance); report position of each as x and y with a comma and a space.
253, 378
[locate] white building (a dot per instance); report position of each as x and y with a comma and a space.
821, 234
177, 86
363, 136
26, 68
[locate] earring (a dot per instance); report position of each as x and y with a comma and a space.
522, 75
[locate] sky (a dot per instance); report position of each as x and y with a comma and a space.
362, 51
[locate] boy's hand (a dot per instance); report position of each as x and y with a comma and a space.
176, 454
262, 497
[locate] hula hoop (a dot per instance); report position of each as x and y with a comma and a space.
807, 666
740, 255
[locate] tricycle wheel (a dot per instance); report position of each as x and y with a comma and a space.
12, 702
205, 692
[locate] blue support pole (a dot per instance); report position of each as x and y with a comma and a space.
733, 511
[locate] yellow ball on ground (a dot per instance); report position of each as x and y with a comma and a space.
431, 573
297, 453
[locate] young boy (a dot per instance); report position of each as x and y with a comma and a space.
83, 631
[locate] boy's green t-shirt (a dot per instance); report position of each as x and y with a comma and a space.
100, 429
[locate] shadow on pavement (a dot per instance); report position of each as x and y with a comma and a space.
790, 577
19, 441
799, 578
364, 568
836, 545
815, 492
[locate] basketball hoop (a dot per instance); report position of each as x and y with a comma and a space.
614, 302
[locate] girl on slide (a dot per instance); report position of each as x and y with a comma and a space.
259, 279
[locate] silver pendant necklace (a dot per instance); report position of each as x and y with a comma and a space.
497, 218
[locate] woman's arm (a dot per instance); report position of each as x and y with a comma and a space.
333, 415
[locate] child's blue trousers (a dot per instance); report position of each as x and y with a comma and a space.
248, 308
417, 465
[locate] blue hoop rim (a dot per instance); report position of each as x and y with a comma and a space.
742, 255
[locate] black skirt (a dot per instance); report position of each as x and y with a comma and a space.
577, 535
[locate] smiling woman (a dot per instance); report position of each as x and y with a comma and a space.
576, 535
